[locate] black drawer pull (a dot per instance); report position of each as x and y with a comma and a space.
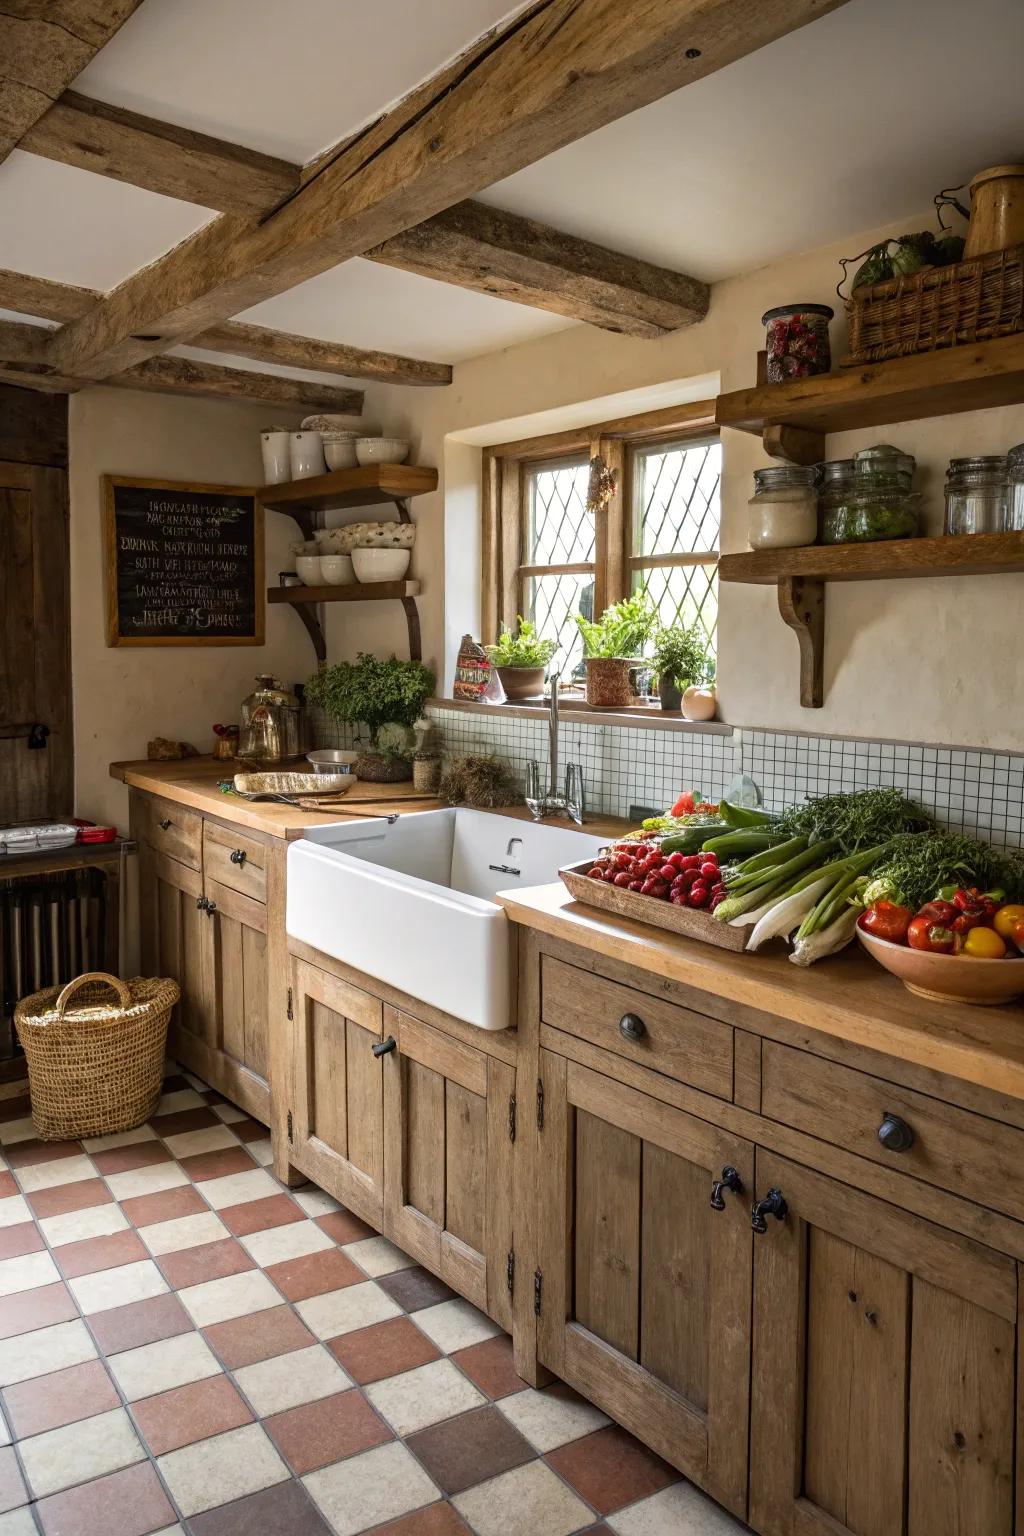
773, 1204
383, 1047
632, 1027
165, 824
895, 1134
238, 856
730, 1180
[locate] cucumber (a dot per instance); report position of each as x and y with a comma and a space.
741, 843
690, 841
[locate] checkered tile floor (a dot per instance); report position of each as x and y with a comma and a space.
186, 1346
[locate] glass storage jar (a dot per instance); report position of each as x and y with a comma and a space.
867, 513
796, 337
1015, 489
784, 507
976, 494
835, 477
889, 468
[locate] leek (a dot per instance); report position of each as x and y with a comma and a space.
827, 941
785, 915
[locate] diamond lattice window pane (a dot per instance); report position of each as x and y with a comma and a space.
683, 594
676, 509
551, 602
559, 529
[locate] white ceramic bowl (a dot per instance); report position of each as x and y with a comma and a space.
328, 422
382, 450
336, 570
382, 535
307, 569
340, 452
331, 760
380, 564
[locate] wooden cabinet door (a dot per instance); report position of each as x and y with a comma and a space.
644, 1289
175, 941
883, 1370
448, 1160
237, 1064
337, 1109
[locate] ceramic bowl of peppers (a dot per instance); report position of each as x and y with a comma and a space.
965, 946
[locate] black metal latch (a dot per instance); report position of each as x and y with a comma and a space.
37, 736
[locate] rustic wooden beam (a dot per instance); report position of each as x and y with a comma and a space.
520, 259
551, 74
42, 49
267, 346
160, 156
45, 299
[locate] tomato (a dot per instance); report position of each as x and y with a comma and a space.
886, 920
922, 933
942, 912
984, 944
1006, 919
1017, 935
970, 917
685, 805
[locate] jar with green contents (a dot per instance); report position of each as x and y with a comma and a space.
876, 501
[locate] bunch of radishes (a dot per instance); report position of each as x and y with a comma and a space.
687, 880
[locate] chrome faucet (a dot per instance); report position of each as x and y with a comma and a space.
570, 801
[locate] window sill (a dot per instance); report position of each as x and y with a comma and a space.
643, 717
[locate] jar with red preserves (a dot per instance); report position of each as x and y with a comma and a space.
797, 341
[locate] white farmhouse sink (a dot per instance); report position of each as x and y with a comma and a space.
412, 903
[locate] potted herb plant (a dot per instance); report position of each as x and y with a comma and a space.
385, 696
680, 658
612, 645
521, 659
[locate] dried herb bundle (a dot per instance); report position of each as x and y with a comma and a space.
483, 782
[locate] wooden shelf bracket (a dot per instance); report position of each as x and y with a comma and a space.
795, 445
802, 606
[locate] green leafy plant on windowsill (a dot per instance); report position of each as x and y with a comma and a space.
373, 692
682, 655
622, 630
525, 649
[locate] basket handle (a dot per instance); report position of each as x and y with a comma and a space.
123, 992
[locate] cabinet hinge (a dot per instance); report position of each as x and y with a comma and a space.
538, 1285
540, 1105
511, 1117
290, 1134
510, 1271
291, 1015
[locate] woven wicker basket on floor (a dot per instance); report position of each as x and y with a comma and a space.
95, 1067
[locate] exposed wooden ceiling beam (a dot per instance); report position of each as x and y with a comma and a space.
514, 258
42, 49
160, 156
42, 297
553, 73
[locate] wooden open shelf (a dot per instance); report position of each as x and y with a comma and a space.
368, 486
800, 576
303, 600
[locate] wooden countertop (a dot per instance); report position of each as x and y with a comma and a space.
848, 996
194, 781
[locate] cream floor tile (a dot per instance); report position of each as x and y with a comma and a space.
195, 1082
73, 1226
220, 1469
44, 1350
366, 1490
119, 1139
116, 1287
355, 1306
16, 1130
262, 1151
315, 1202
291, 1241
5, 1434
681, 1510
181, 1098
215, 1301
236, 1188
521, 1502
287, 1380
14, 1210
424, 1396
548, 1420
78, 1452
455, 1325
26, 1272
168, 1363
63, 1170
377, 1256
146, 1181
18, 1523
229, 1113
210, 1139
183, 1232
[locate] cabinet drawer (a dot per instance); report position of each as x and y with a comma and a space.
954, 1149
671, 1039
235, 860
175, 831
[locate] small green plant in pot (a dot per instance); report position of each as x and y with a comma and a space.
612, 645
380, 695
521, 660
680, 658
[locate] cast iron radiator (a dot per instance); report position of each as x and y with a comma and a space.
52, 928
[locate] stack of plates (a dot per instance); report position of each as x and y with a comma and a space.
34, 839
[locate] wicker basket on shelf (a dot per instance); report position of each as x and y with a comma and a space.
95, 1061
937, 307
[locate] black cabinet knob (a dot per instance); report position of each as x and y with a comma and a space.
211, 907
632, 1027
165, 824
773, 1204
238, 856
202, 903
383, 1047
895, 1134
730, 1180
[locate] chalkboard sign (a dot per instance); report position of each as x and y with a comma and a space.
184, 564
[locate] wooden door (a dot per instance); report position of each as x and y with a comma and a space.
448, 1160
337, 1109
643, 1288
237, 1057
36, 753
175, 939
883, 1370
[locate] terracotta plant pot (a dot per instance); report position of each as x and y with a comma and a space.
608, 684
671, 697
522, 682
375, 768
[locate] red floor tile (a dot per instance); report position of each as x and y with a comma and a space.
248, 1130
16, 1108
258, 1215
216, 1165
93, 1253
13, 1492
610, 1468
131, 1503
261, 1335
22, 1154
140, 1322
23, 1238
8, 1185
37, 1308
166, 1205
314, 1273
344, 1227
316, 1434
194, 1412
461, 1452
435, 1520
209, 1261
489, 1366
183, 1120
384, 1349
139, 1154
63, 1397
69, 1197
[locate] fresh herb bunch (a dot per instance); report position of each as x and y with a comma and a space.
622, 630
525, 649
858, 820
913, 869
682, 655
372, 691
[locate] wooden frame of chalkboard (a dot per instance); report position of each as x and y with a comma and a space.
174, 577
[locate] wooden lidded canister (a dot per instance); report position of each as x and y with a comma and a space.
997, 210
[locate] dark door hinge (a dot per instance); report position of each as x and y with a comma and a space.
511, 1117
290, 1134
538, 1285
540, 1105
291, 1015
510, 1271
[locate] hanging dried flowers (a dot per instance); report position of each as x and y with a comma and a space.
602, 485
